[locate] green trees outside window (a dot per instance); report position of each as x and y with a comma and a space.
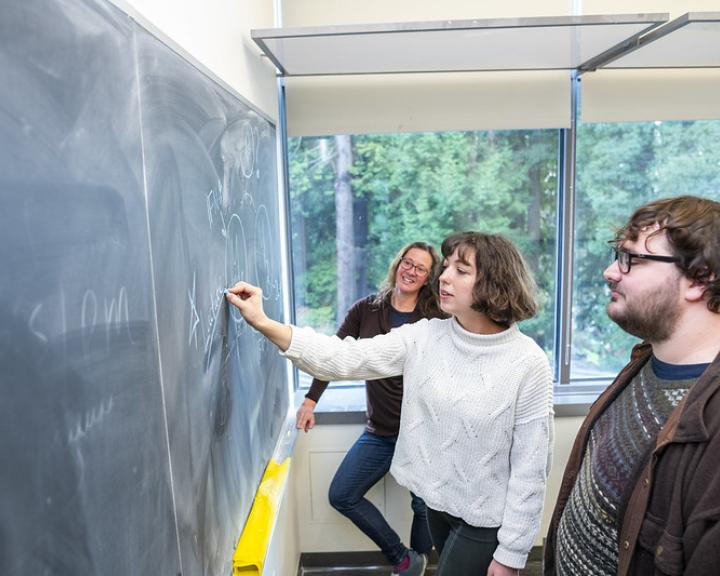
420, 186
620, 167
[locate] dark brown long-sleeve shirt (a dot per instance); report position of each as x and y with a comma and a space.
384, 397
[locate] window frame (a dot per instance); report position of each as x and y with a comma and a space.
572, 396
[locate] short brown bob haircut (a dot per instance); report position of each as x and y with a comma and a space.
692, 227
504, 288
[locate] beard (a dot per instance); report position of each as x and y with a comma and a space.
651, 316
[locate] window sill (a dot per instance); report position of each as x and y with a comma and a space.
338, 405
346, 404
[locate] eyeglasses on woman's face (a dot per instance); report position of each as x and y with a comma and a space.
407, 264
625, 257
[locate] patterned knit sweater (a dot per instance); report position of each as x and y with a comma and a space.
587, 538
476, 423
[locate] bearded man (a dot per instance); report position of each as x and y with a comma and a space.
641, 490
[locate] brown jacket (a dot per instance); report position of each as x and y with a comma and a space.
384, 397
669, 519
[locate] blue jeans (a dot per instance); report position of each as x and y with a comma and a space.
365, 463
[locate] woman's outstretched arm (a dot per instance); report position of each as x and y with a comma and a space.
327, 357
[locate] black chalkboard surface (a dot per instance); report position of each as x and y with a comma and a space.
137, 411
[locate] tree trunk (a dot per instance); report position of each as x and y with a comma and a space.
533, 216
344, 233
360, 211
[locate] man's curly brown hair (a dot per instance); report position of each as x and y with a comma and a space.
692, 227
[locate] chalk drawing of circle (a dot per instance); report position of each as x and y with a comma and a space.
248, 140
236, 258
88, 316
264, 272
236, 249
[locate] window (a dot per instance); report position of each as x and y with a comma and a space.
619, 167
417, 186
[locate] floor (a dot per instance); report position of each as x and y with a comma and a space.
372, 564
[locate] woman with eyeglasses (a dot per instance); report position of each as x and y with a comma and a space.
476, 429
407, 295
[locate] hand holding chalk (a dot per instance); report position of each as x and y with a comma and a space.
248, 299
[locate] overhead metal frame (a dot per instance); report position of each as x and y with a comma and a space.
667, 46
570, 42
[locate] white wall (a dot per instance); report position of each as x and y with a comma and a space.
374, 104
217, 34
332, 12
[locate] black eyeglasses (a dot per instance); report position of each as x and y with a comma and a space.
407, 264
624, 259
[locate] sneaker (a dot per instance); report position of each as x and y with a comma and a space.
416, 566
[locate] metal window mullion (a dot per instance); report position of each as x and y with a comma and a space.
288, 265
565, 242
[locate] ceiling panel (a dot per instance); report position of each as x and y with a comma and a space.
541, 43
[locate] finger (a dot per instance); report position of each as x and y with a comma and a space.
238, 289
302, 418
233, 299
243, 288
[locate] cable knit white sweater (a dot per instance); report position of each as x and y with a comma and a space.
476, 424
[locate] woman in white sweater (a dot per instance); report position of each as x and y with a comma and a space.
476, 426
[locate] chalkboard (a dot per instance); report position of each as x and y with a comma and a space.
138, 412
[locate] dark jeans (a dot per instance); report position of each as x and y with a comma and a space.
464, 550
365, 463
